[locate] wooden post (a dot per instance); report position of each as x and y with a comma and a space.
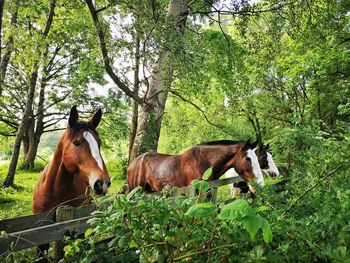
63, 213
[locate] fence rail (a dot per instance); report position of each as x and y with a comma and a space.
35, 230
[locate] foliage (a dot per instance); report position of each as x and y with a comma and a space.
159, 228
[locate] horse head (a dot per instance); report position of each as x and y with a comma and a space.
81, 155
247, 164
265, 160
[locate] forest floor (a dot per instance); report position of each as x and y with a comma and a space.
17, 200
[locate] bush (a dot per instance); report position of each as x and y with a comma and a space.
311, 214
117, 167
160, 228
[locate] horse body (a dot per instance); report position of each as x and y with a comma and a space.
154, 171
77, 164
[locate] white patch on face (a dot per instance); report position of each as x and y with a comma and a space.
256, 167
95, 151
92, 179
272, 165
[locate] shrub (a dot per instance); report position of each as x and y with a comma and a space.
117, 167
161, 228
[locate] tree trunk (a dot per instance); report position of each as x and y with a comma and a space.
152, 110
6, 57
135, 106
2, 2
28, 134
29, 103
152, 106
22, 128
29, 159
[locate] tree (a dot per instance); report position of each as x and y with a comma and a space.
30, 98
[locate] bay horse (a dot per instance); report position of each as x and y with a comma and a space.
266, 163
155, 171
76, 165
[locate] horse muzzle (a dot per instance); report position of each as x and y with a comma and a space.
101, 186
273, 174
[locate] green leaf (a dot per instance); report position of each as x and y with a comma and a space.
266, 229
201, 210
133, 192
207, 173
88, 232
200, 185
236, 210
261, 208
252, 224
133, 244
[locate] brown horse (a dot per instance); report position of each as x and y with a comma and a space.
77, 164
154, 171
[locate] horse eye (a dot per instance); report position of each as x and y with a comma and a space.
77, 143
248, 159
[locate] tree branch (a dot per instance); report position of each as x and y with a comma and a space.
105, 55
313, 186
202, 111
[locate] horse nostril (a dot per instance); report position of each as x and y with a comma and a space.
98, 187
108, 182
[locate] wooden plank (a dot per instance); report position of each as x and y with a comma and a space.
225, 181
17, 224
43, 235
10, 225
216, 183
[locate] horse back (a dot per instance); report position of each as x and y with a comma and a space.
154, 171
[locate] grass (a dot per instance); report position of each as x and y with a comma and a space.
17, 200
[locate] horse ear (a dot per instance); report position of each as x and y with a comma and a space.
96, 118
247, 145
267, 146
73, 116
254, 144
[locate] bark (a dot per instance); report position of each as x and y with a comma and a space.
22, 128
29, 103
7, 55
2, 2
152, 110
135, 106
153, 104
30, 155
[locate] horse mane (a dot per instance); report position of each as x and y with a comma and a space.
220, 142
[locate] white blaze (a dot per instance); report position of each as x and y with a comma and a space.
272, 166
256, 167
95, 151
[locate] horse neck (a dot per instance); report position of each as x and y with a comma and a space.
57, 176
220, 157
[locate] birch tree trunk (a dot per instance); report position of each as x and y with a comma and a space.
151, 107
152, 110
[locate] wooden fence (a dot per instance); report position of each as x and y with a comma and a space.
32, 231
